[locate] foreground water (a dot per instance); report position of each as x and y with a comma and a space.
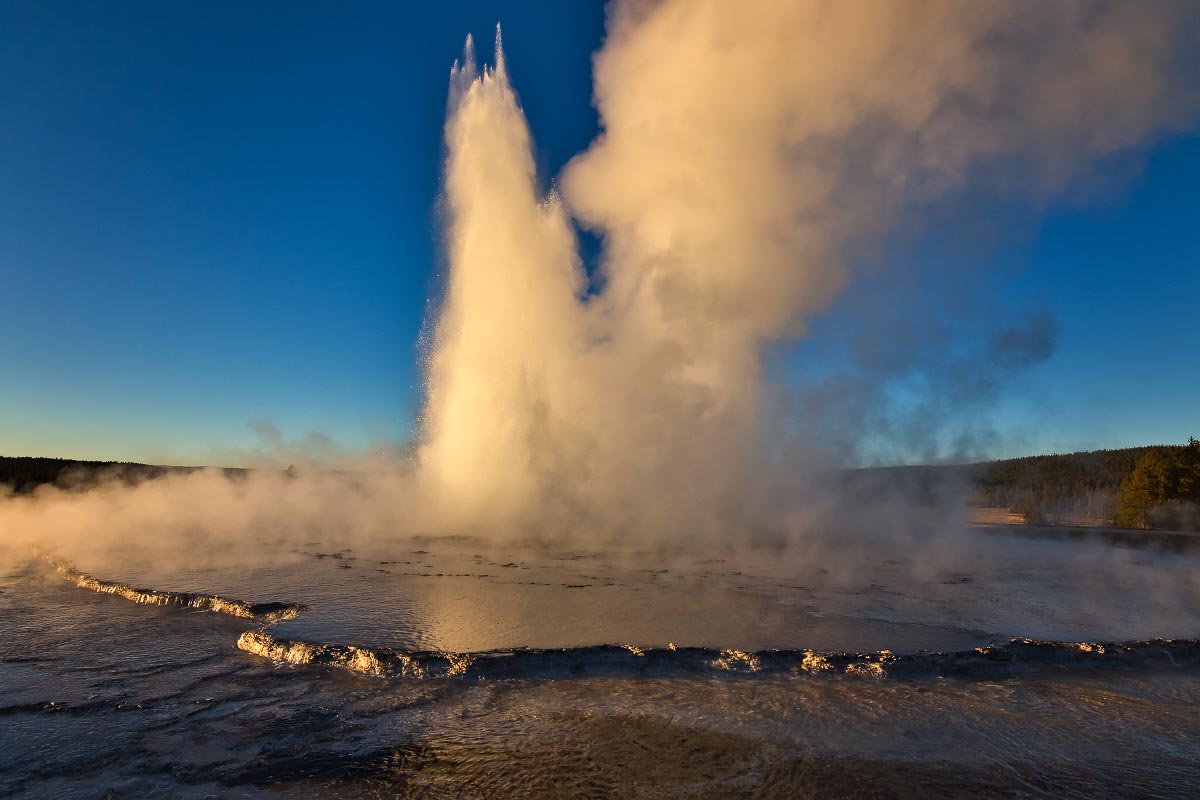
756, 674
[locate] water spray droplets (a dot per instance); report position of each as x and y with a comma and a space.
465, 72
500, 71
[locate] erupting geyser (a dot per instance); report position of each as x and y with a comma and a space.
714, 628
748, 153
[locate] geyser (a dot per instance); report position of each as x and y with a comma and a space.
751, 156
747, 154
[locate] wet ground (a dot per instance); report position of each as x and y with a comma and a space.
100, 696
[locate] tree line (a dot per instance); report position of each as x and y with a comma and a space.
1157, 486
23, 474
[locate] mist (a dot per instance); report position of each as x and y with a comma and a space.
749, 156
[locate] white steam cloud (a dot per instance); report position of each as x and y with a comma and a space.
747, 150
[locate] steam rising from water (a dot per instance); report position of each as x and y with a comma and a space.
749, 154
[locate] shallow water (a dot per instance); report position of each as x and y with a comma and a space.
101, 696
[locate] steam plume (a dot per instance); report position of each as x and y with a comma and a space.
747, 152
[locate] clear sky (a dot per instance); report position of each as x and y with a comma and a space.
218, 213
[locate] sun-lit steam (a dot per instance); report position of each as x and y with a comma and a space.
749, 153
511, 321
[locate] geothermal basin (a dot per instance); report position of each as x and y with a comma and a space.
451, 667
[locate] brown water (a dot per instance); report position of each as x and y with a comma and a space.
100, 696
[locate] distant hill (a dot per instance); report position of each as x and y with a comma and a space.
1086, 484
1070, 488
24, 473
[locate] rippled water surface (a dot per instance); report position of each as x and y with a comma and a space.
101, 696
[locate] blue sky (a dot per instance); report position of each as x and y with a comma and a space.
216, 213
